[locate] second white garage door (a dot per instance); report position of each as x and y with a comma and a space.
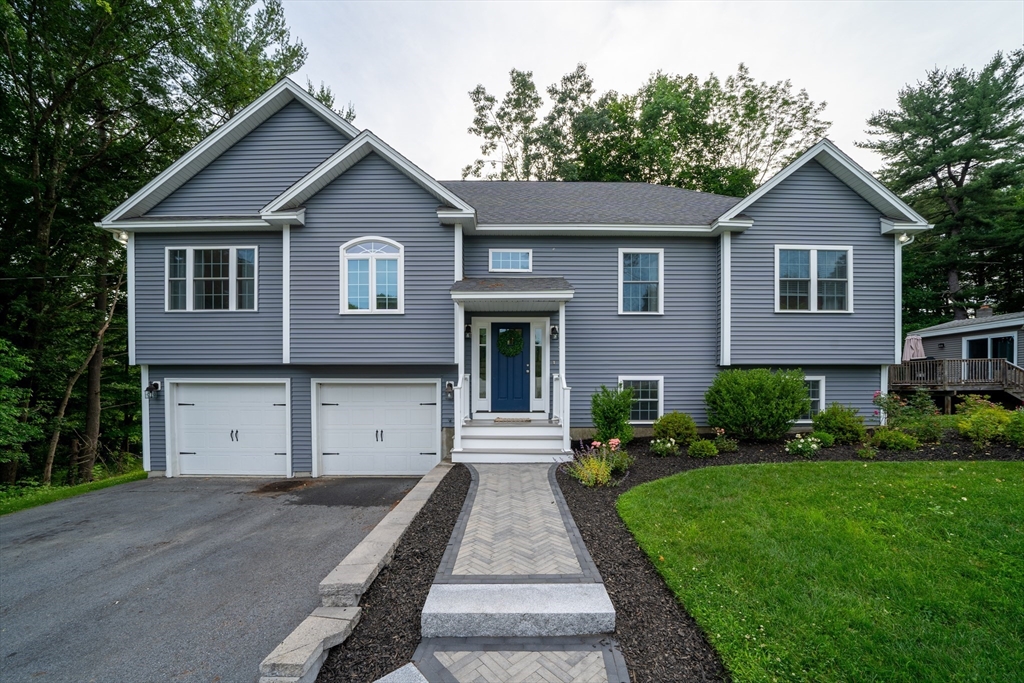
370, 428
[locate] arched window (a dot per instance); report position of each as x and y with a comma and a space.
372, 276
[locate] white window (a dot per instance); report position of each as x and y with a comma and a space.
648, 400
372, 276
511, 261
816, 392
641, 281
210, 279
813, 279
1001, 345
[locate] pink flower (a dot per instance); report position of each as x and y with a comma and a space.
595, 444
877, 394
876, 413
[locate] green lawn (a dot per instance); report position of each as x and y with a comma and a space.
846, 571
12, 501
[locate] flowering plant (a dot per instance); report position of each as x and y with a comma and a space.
664, 447
803, 446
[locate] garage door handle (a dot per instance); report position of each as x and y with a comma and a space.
324, 453
186, 404
186, 452
434, 453
376, 435
328, 404
280, 404
429, 404
280, 454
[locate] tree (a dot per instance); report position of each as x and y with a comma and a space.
954, 150
508, 128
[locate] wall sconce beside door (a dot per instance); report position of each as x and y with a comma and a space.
554, 332
469, 331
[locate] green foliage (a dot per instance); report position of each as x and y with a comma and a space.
804, 446
702, 448
17, 422
866, 453
677, 426
984, 425
726, 445
824, 438
842, 422
29, 494
757, 404
1014, 430
590, 470
618, 460
609, 411
892, 439
927, 429
972, 403
918, 415
665, 446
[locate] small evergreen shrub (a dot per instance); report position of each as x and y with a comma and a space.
926, 429
757, 404
665, 447
842, 422
826, 439
726, 445
892, 439
1014, 430
805, 447
702, 448
984, 425
590, 471
866, 453
678, 426
610, 413
972, 403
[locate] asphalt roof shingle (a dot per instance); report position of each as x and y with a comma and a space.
565, 203
954, 325
512, 284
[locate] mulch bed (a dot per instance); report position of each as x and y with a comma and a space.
389, 631
659, 639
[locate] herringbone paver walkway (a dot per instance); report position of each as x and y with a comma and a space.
525, 667
515, 527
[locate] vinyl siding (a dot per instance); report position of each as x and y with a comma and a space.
813, 207
258, 167
954, 342
207, 337
301, 385
601, 345
372, 199
851, 386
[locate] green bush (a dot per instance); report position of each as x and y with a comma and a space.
805, 447
984, 425
826, 439
926, 429
892, 439
726, 445
590, 470
1014, 431
972, 403
758, 404
842, 422
866, 453
610, 413
702, 448
665, 447
678, 426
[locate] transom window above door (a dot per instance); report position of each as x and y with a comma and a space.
813, 279
210, 279
641, 280
372, 276
511, 260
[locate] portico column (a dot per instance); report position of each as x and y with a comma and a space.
561, 340
460, 342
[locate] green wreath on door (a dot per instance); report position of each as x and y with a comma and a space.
510, 343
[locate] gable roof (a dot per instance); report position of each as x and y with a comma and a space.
200, 156
973, 324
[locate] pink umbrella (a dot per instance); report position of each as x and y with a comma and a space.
913, 348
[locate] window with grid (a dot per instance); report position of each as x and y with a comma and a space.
814, 279
832, 276
646, 399
641, 281
814, 393
511, 261
794, 279
211, 279
372, 277
177, 279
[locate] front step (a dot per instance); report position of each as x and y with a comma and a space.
521, 442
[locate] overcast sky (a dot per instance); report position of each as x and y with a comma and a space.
407, 66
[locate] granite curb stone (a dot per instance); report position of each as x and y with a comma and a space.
407, 674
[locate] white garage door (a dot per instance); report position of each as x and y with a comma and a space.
378, 428
237, 429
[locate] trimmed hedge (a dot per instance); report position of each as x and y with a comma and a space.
757, 404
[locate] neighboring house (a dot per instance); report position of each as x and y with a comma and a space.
303, 300
984, 336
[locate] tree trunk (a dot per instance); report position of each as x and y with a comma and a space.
72, 477
93, 406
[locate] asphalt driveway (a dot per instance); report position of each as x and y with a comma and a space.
173, 579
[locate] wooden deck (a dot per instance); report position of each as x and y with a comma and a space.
975, 375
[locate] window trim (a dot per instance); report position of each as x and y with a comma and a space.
490, 261
660, 379
232, 280
990, 337
343, 284
813, 289
821, 396
661, 278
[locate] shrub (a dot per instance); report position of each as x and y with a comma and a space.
1014, 430
866, 453
900, 412
758, 404
892, 439
805, 447
984, 425
726, 445
972, 403
926, 429
618, 460
590, 470
826, 439
702, 448
610, 413
678, 426
842, 422
665, 447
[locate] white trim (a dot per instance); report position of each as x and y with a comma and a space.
220, 224
821, 395
725, 249
990, 337
536, 404
372, 258
561, 343
460, 340
883, 386
131, 297
661, 393
813, 287
542, 295
283, 218
170, 432
458, 252
661, 278
857, 179
898, 284
232, 279
611, 229
315, 383
286, 294
147, 458
490, 261
980, 327
200, 156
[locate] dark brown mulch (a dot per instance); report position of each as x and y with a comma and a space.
659, 639
389, 631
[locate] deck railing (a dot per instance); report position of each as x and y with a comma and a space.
958, 375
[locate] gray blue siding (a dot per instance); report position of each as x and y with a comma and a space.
207, 337
813, 207
257, 168
301, 389
372, 199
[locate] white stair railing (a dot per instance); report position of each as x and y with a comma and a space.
560, 408
461, 409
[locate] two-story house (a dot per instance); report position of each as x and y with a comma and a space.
303, 300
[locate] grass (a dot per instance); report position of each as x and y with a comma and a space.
24, 498
846, 571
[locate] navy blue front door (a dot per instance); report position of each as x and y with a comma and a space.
510, 376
